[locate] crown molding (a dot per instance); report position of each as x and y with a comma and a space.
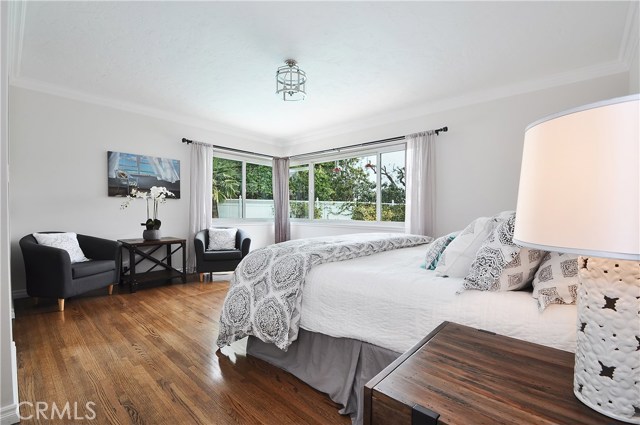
630, 40
480, 96
17, 13
56, 90
404, 114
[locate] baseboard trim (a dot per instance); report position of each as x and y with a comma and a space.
10, 414
19, 293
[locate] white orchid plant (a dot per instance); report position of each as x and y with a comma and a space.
156, 194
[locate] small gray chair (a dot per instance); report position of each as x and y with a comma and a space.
219, 261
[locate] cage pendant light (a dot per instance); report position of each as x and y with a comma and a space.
291, 82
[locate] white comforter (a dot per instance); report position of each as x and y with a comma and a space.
386, 299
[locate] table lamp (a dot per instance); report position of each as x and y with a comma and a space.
580, 193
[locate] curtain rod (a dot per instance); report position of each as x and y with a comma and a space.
188, 142
358, 145
375, 142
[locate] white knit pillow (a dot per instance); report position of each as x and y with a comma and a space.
220, 239
459, 254
556, 281
67, 241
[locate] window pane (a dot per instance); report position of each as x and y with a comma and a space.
392, 186
259, 191
299, 191
346, 189
227, 188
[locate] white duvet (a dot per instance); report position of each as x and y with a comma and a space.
388, 300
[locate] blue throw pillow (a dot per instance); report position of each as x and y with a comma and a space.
436, 248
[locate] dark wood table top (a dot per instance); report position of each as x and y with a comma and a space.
471, 376
142, 242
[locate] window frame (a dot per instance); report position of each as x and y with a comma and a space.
243, 159
342, 154
310, 161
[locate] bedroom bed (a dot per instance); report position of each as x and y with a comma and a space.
358, 315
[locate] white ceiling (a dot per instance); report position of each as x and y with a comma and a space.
215, 62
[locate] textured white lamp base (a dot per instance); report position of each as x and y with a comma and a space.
607, 370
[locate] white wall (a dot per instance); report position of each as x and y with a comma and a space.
478, 159
58, 158
634, 71
8, 362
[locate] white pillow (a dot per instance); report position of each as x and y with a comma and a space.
501, 265
456, 259
220, 239
556, 281
67, 241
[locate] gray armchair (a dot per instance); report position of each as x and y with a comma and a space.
219, 261
50, 274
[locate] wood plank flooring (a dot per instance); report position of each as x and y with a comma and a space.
150, 358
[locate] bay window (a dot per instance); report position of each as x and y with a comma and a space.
367, 186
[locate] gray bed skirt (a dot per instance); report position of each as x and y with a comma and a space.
339, 367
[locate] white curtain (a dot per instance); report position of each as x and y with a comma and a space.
420, 183
201, 198
281, 199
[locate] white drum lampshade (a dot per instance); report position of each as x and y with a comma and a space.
580, 193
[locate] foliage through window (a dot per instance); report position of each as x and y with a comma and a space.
392, 185
227, 188
350, 188
369, 187
259, 191
345, 189
299, 191
230, 182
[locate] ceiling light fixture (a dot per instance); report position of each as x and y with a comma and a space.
291, 81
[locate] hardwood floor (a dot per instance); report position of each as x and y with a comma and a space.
150, 358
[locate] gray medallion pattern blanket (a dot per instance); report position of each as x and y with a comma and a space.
265, 293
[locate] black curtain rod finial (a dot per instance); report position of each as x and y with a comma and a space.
187, 141
441, 130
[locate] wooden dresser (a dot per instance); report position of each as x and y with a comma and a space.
461, 375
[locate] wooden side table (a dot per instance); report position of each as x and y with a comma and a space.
166, 269
461, 375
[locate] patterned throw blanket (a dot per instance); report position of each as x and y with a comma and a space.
266, 289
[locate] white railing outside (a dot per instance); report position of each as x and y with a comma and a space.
264, 208
256, 208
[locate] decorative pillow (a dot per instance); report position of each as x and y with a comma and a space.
556, 281
501, 265
519, 272
220, 239
459, 254
436, 248
67, 241
504, 215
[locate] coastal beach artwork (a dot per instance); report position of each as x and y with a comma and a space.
127, 171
